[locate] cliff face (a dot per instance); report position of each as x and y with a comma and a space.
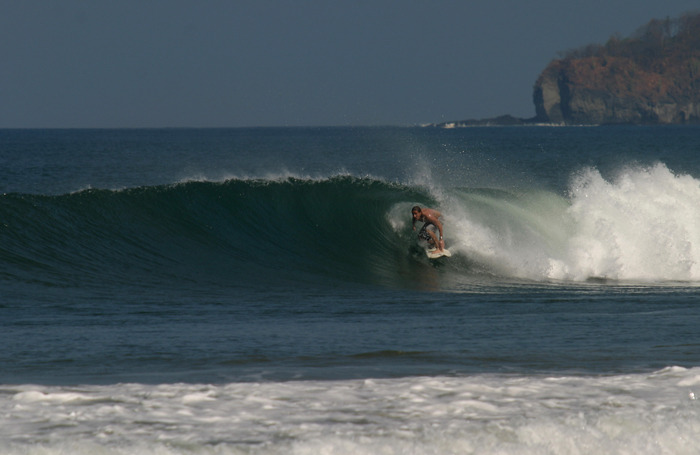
651, 78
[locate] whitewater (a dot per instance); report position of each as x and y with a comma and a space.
261, 291
650, 413
643, 225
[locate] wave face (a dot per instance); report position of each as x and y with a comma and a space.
643, 225
226, 232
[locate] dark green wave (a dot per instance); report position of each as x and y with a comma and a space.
232, 233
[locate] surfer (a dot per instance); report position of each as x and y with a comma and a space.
431, 225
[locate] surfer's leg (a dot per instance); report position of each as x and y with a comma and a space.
433, 232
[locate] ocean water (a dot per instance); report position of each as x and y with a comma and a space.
261, 291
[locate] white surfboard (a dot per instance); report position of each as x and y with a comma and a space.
434, 253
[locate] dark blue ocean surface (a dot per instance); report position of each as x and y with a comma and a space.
237, 255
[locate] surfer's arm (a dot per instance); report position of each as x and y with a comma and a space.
439, 226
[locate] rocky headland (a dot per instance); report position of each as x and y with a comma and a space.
652, 77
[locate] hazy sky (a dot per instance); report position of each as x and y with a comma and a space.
172, 63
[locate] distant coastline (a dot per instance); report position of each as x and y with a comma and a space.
503, 120
651, 78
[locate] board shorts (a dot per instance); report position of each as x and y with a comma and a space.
423, 233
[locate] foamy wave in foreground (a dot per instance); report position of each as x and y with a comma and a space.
484, 414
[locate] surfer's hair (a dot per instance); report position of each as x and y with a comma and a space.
416, 209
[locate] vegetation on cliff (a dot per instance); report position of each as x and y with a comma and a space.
650, 77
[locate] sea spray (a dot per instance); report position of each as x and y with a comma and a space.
511, 234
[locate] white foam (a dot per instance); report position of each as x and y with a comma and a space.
484, 414
643, 225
